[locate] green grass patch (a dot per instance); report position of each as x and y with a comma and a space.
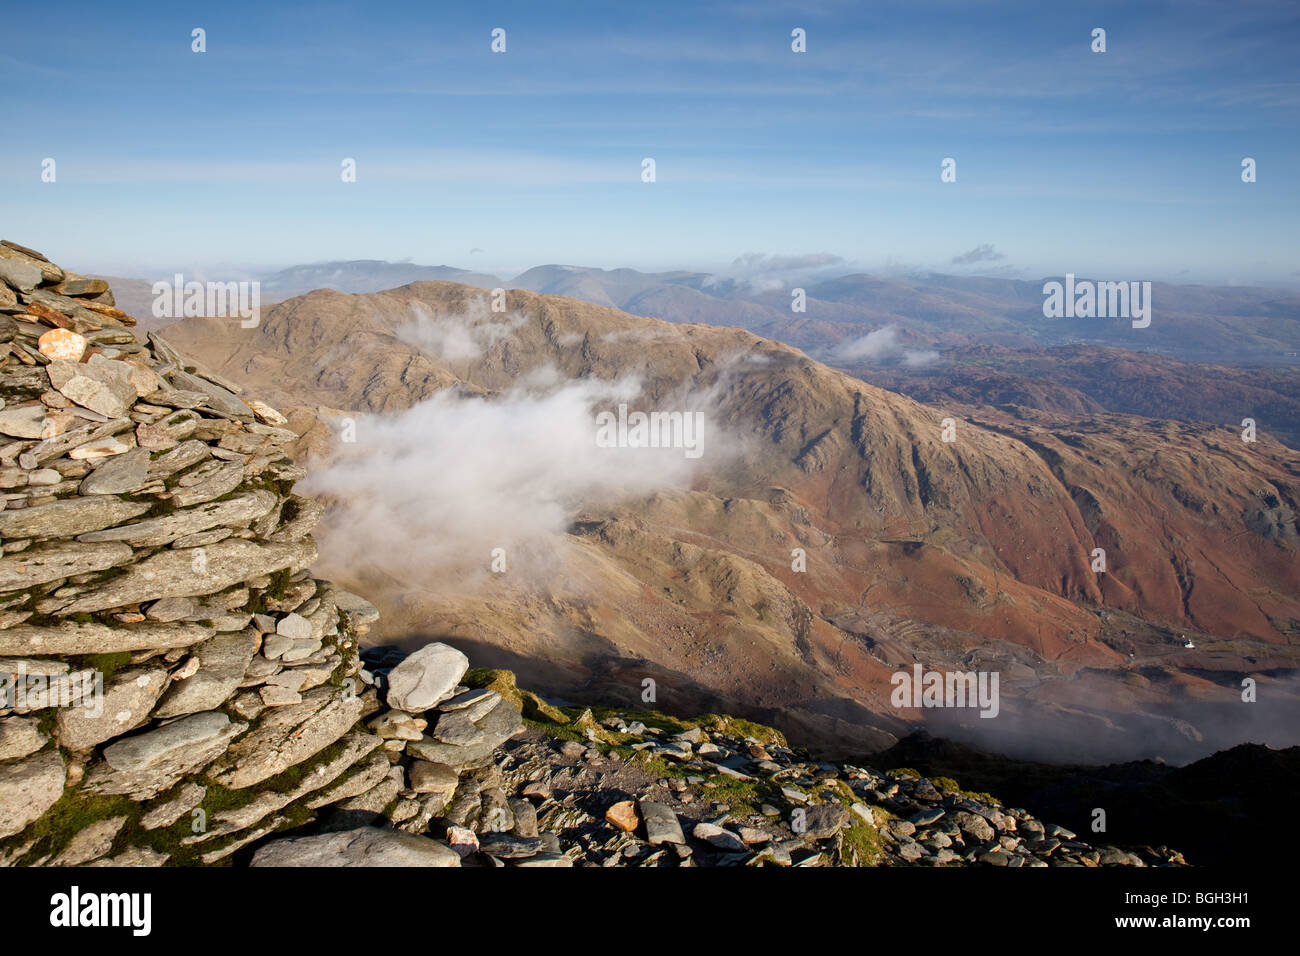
71, 813
106, 664
949, 784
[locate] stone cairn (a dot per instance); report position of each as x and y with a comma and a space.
175, 686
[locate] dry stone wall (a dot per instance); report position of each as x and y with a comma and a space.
176, 685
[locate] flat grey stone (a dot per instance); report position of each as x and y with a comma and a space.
275, 645
28, 788
661, 823
104, 387
143, 750
23, 276
20, 736
74, 638
718, 837
474, 704
295, 627
367, 846
301, 650
178, 573
124, 706
53, 562
274, 695
172, 609
223, 660
67, 518
119, 475
23, 421
426, 777
456, 728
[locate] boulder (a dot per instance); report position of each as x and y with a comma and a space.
426, 677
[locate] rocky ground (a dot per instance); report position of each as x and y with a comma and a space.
179, 689
646, 790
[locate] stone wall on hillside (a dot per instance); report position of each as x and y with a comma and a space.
176, 685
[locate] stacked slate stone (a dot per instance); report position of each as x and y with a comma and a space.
175, 686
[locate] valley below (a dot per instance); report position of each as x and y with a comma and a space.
973, 554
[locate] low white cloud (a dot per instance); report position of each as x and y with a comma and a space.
760, 272
981, 253
440, 485
881, 347
466, 335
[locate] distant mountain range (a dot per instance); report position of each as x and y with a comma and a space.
1243, 325
1213, 354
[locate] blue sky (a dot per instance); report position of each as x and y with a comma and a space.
1123, 164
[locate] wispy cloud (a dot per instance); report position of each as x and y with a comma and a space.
981, 253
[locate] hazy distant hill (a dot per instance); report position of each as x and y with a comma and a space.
974, 340
362, 275
1081, 379
1192, 322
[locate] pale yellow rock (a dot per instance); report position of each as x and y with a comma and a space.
623, 815
265, 412
62, 344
